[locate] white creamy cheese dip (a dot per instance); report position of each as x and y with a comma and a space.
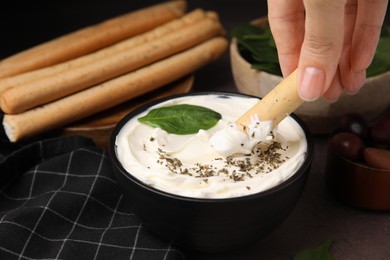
199, 165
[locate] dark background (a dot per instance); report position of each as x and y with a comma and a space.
357, 234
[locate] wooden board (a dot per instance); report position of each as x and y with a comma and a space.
99, 126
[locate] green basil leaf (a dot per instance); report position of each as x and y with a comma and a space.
319, 253
181, 119
257, 46
255, 37
381, 61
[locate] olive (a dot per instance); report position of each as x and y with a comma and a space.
380, 129
377, 158
348, 145
353, 123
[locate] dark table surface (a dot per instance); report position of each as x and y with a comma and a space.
357, 234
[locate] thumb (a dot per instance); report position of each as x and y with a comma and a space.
321, 48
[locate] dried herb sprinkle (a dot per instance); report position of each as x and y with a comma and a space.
264, 158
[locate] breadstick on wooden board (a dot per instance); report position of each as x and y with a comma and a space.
113, 92
24, 97
91, 38
161, 30
281, 101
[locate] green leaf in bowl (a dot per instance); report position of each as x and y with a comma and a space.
257, 46
381, 61
181, 119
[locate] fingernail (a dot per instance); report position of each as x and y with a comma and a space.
312, 84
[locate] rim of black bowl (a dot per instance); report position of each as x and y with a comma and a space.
112, 151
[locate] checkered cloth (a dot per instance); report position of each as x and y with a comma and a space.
59, 200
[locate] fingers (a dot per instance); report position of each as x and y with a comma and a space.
335, 89
369, 20
370, 16
332, 42
321, 48
349, 79
286, 19
337, 86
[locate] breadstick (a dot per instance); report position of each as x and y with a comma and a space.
281, 101
91, 38
151, 35
113, 92
24, 97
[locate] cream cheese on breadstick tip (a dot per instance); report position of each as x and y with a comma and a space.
232, 140
256, 124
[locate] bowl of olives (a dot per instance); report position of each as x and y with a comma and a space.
358, 162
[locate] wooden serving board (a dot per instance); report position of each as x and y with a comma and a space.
99, 126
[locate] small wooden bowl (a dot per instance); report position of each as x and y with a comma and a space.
320, 115
357, 184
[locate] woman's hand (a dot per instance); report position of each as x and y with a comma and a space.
331, 42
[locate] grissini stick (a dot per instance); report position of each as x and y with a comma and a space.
281, 101
161, 30
91, 38
113, 92
24, 97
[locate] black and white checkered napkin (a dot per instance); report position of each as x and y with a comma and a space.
59, 200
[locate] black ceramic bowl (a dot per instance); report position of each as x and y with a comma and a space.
210, 225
